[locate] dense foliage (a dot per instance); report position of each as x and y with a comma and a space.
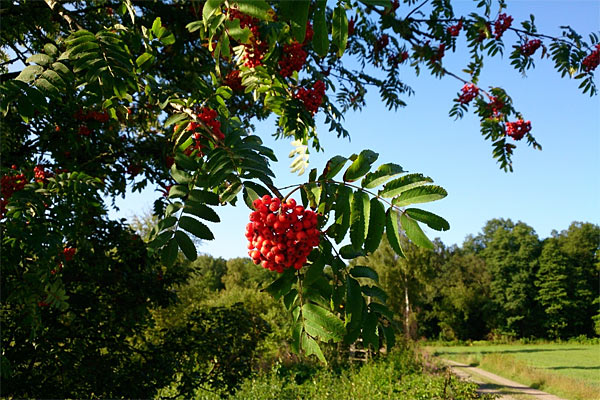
109, 96
503, 282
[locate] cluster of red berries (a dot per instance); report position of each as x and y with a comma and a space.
530, 47
484, 32
255, 50
312, 98
439, 53
209, 117
396, 59
309, 33
381, 43
502, 24
518, 129
591, 61
454, 30
281, 235
469, 92
40, 174
10, 184
69, 253
234, 81
294, 57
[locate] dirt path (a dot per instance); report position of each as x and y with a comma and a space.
500, 386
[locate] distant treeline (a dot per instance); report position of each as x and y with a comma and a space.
504, 281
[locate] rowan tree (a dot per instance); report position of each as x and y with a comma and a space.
114, 96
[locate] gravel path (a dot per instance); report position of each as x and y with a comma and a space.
510, 387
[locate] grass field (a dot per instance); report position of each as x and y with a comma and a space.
568, 370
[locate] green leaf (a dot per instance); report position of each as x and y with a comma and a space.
391, 230
422, 194
414, 232
40, 59
196, 228
342, 212
349, 252
360, 166
370, 331
381, 309
180, 177
204, 196
383, 173
432, 220
320, 39
156, 25
202, 211
297, 12
359, 218
321, 323
249, 197
232, 191
296, 337
311, 347
255, 8
282, 285
375, 291
390, 337
29, 73
50, 49
376, 226
178, 191
400, 185
360, 271
339, 29
169, 253
175, 118
236, 32
186, 245
333, 166
143, 59
384, 3
210, 8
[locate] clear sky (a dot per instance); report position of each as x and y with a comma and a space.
548, 190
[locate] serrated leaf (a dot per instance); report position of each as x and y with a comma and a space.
414, 232
342, 212
210, 8
320, 39
297, 12
173, 119
430, 219
402, 184
204, 196
186, 245
236, 32
339, 29
202, 211
392, 232
255, 8
333, 166
355, 303
349, 252
40, 59
180, 177
311, 347
169, 253
360, 271
421, 194
296, 337
321, 323
360, 166
382, 310
143, 59
383, 173
231, 192
178, 191
359, 218
29, 73
375, 291
376, 225
249, 197
196, 228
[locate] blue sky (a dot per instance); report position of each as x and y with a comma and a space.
548, 189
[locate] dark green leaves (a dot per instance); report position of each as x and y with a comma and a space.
391, 230
297, 13
359, 218
360, 166
376, 225
320, 39
186, 245
333, 166
339, 29
196, 228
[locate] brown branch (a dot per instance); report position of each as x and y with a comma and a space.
57, 7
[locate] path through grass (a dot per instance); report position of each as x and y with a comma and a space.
568, 370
